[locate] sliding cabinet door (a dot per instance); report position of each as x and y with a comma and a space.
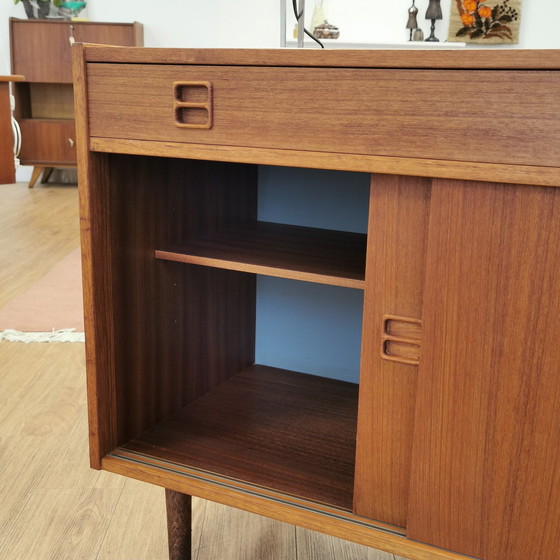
396, 251
485, 478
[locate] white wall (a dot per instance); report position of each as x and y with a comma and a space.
256, 23
383, 21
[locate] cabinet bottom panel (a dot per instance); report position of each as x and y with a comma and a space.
283, 507
291, 432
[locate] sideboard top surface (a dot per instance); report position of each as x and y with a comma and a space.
69, 22
363, 58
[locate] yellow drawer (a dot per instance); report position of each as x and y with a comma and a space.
495, 116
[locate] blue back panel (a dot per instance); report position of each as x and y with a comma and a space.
302, 326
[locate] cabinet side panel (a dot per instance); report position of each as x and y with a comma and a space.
394, 282
486, 459
179, 329
7, 170
95, 231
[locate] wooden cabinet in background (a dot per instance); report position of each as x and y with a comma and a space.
41, 51
446, 445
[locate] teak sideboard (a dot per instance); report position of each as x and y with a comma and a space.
448, 445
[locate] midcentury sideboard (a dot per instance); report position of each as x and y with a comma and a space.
445, 443
41, 51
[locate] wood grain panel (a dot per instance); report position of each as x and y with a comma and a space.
283, 430
372, 112
51, 101
526, 59
277, 506
301, 253
48, 141
520, 174
54, 64
397, 237
179, 330
95, 230
7, 167
485, 476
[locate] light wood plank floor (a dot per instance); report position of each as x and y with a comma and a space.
52, 505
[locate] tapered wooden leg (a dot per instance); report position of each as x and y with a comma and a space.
34, 176
178, 525
46, 174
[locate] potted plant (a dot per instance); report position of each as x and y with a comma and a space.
41, 9
38, 9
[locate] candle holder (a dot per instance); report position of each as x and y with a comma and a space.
433, 13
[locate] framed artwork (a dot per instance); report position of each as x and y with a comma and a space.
484, 22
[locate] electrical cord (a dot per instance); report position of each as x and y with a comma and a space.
294, 6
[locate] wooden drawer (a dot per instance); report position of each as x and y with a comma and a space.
48, 141
496, 116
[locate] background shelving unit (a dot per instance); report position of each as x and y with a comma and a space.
40, 50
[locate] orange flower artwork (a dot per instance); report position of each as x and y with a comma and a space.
490, 21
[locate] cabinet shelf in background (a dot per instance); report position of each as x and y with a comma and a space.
270, 427
301, 253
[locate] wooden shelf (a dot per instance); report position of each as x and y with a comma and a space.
275, 428
301, 253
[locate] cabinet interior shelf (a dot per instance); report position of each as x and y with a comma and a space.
301, 253
275, 428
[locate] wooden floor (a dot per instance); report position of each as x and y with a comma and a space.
52, 505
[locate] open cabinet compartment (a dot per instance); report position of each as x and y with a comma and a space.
186, 387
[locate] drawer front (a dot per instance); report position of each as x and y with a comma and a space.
458, 115
46, 141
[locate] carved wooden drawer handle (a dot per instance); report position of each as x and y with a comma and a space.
192, 104
400, 339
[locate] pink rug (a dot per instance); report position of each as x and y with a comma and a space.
54, 302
